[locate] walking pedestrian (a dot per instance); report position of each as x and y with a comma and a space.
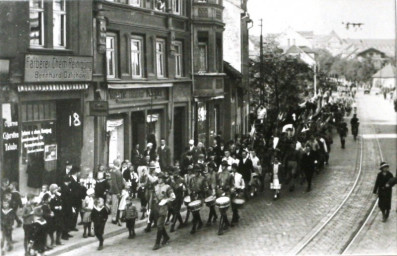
342, 130
308, 166
384, 192
99, 216
131, 214
7, 220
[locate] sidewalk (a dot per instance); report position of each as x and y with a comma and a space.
77, 240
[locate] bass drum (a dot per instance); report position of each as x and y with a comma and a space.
195, 205
223, 202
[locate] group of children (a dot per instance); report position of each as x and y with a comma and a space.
43, 217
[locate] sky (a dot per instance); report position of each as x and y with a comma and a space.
323, 16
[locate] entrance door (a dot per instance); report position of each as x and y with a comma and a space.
69, 132
138, 130
179, 131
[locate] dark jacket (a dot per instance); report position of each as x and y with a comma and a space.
116, 182
245, 169
307, 162
384, 193
101, 188
165, 157
100, 215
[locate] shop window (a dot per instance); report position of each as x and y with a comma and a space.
135, 3
178, 59
36, 21
203, 57
177, 7
110, 56
59, 23
33, 112
136, 57
160, 57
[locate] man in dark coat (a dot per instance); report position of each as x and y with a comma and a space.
78, 193
67, 206
342, 130
383, 190
164, 154
307, 165
186, 162
245, 168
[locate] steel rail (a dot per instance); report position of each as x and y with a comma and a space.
339, 207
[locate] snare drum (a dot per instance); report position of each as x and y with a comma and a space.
223, 202
238, 203
195, 205
210, 201
187, 200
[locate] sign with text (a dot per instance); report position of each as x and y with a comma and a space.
49, 68
138, 94
99, 108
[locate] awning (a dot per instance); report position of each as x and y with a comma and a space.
51, 87
138, 86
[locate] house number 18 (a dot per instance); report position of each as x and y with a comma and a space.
74, 120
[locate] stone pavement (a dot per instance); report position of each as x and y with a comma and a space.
266, 227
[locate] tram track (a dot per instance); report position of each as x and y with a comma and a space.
335, 235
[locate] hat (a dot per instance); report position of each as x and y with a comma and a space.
53, 187
225, 163
74, 170
152, 165
383, 165
161, 175
149, 144
90, 191
38, 211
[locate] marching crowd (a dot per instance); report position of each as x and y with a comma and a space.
223, 175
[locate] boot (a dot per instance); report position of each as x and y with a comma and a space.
148, 228
166, 237
158, 238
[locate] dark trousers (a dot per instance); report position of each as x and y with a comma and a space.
99, 229
6, 237
130, 224
212, 215
309, 176
196, 220
28, 235
342, 141
236, 216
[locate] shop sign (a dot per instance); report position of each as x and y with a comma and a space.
49, 68
10, 129
138, 94
99, 108
33, 140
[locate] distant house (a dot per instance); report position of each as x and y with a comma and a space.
385, 77
305, 54
290, 37
378, 58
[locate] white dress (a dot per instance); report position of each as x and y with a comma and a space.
276, 182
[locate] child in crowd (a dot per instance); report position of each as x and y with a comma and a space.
99, 216
88, 205
44, 190
102, 185
131, 214
48, 216
27, 215
275, 185
16, 201
134, 181
122, 203
56, 208
38, 232
5, 188
7, 220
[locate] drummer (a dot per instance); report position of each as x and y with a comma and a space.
188, 177
238, 192
224, 184
210, 175
161, 196
178, 185
198, 189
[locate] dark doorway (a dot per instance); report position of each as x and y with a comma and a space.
69, 133
138, 130
179, 131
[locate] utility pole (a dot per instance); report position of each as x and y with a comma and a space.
262, 100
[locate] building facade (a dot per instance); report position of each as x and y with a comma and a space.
142, 75
46, 74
